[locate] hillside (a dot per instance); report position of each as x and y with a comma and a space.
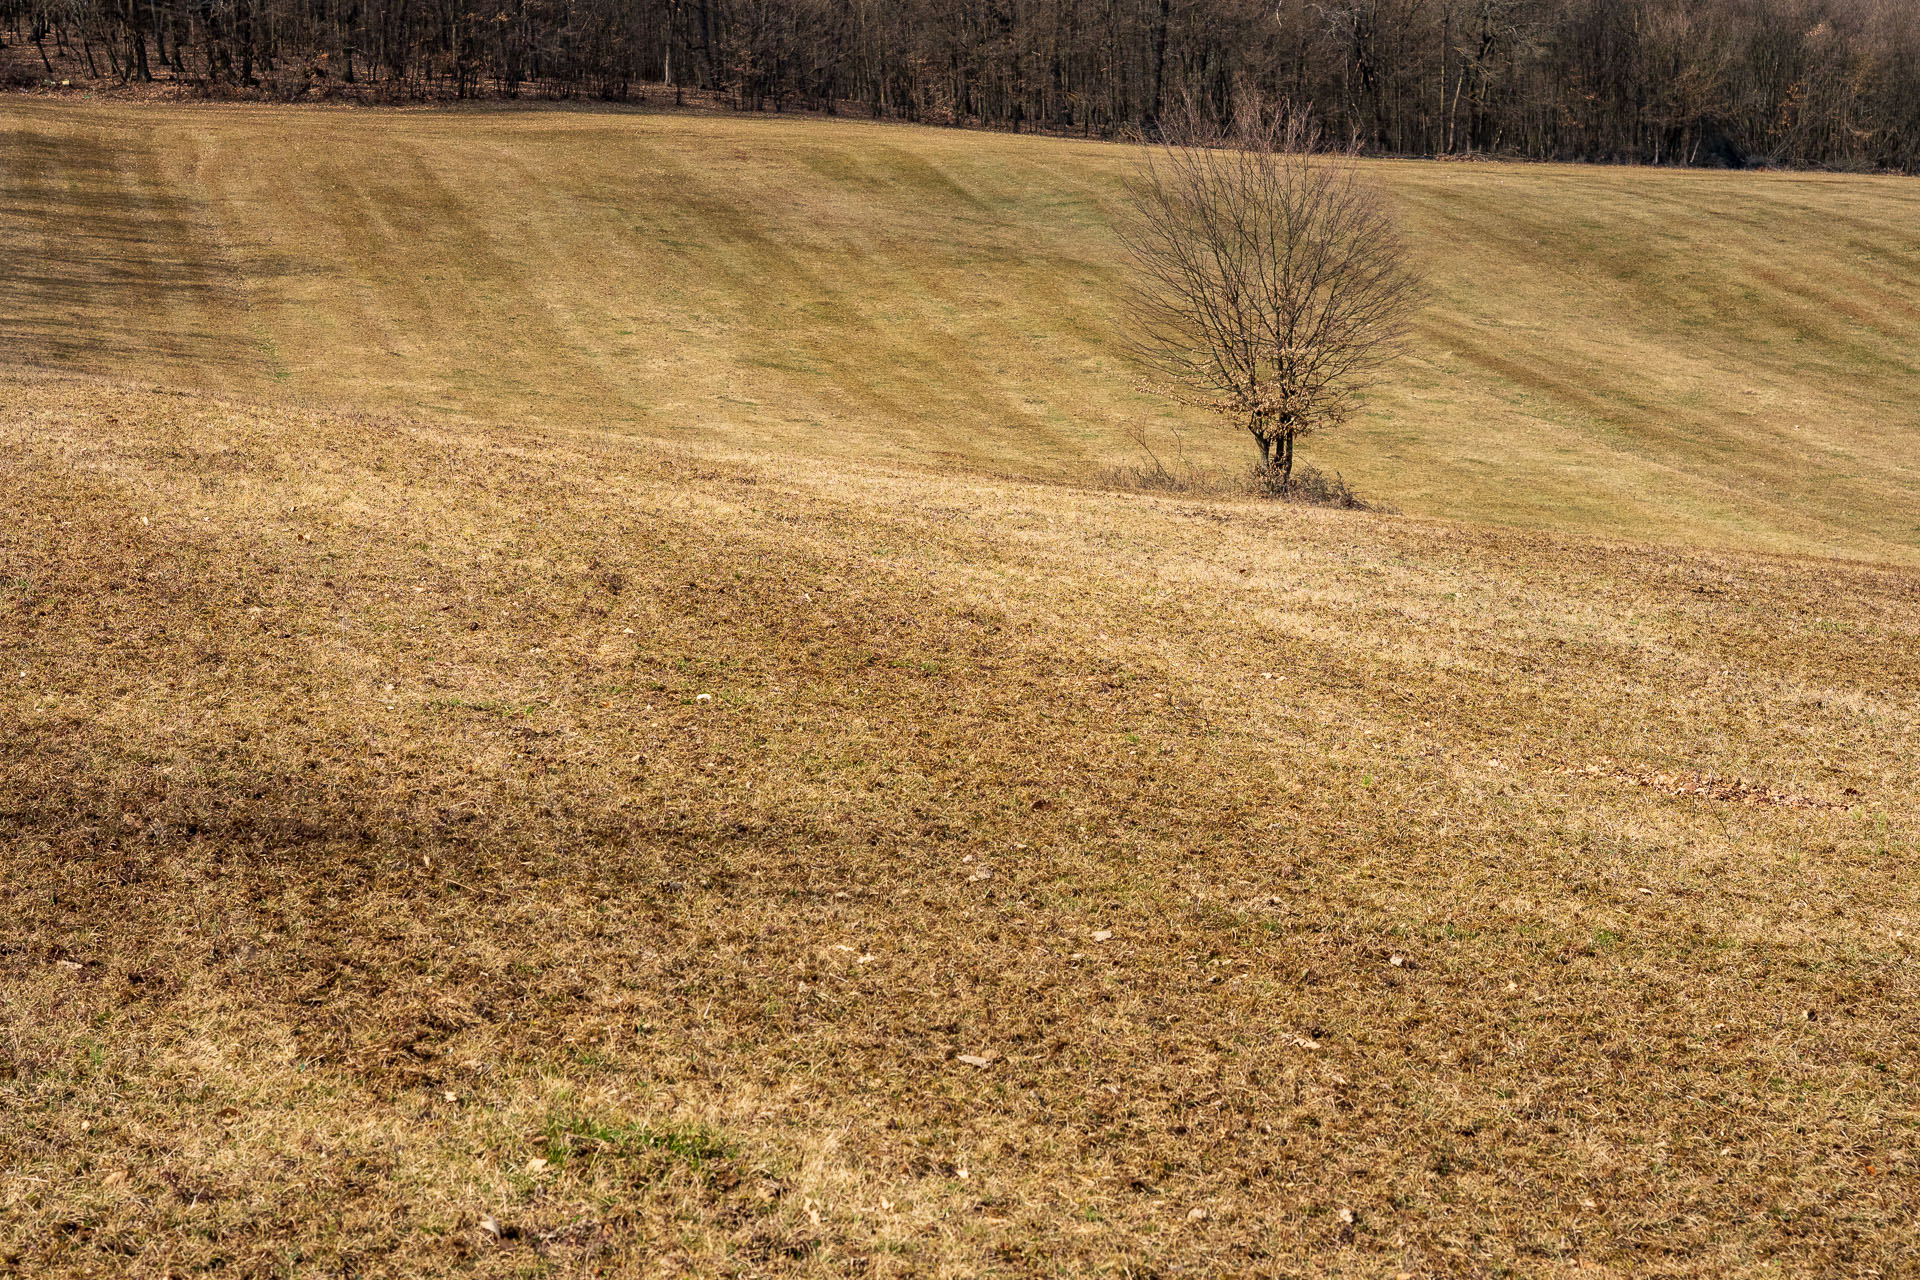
572, 708
1710, 358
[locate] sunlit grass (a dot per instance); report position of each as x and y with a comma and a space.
1698, 357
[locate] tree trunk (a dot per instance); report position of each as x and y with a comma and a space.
1160, 60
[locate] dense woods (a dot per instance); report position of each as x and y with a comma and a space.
1800, 82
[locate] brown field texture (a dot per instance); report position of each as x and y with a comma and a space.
571, 708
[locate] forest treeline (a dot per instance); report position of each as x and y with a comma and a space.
1832, 83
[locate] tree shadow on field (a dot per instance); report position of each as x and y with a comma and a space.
108, 265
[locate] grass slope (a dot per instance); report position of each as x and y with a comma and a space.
1695, 357
510, 764
438, 848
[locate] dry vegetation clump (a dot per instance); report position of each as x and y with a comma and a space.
1149, 478
1309, 484
1164, 465
435, 848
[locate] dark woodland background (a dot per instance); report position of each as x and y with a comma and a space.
1832, 83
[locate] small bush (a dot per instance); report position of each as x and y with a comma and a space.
1155, 474
1155, 479
1310, 485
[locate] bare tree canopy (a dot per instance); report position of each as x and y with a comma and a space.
1273, 278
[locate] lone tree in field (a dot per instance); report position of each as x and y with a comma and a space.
1273, 278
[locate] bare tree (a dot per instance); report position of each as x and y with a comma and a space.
1273, 279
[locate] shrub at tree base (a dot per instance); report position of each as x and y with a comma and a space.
1310, 485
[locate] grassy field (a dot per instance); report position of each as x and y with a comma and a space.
1700, 358
477, 798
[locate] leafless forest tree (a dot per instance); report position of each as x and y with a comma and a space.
1802, 82
1272, 276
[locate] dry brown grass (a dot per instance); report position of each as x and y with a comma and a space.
369, 834
1724, 359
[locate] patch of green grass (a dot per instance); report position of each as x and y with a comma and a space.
572, 1137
